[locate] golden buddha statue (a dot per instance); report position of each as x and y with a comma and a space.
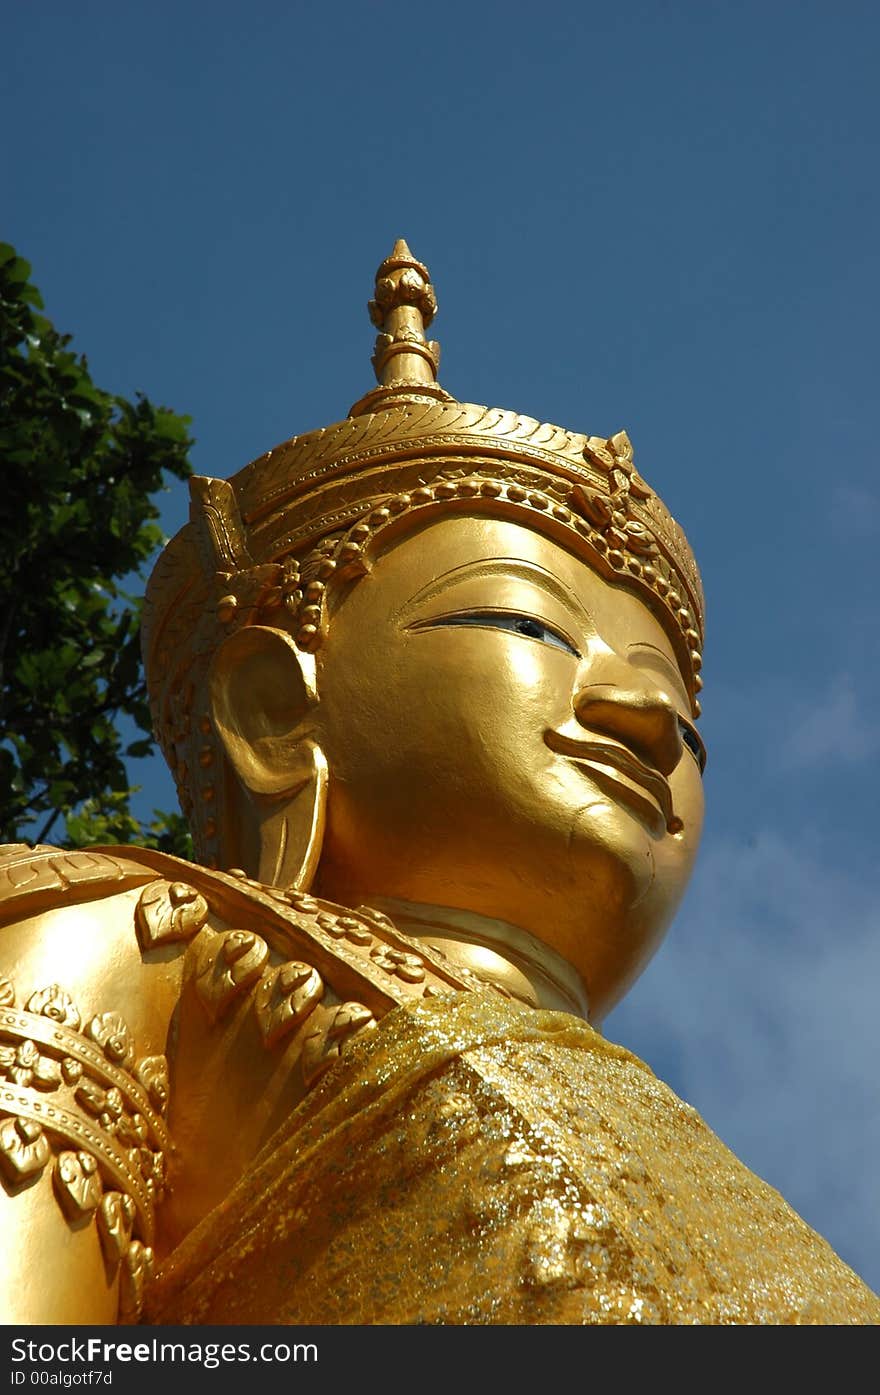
428, 681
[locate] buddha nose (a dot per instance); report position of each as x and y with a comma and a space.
619, 701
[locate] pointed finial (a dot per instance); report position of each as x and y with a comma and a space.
404, 359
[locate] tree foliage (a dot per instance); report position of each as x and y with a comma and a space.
80, 471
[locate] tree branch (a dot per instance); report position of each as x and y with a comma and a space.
44, 831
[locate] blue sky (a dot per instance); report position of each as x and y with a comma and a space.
655, 216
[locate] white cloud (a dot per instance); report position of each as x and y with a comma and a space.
835, 728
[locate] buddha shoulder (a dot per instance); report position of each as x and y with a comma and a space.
144, 995
70, 947
130, 926
130, 944
81, 928
85, 1011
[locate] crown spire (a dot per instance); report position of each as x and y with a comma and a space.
404, 359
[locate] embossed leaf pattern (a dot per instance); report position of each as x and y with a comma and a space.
286, 995
638, 487
71, 1070
639, 538
225, 966
597, 450
24, 1149
349, 1018
110, 1031
116, 1215
108, 1107
612, 514
78, 1184
113, 1106
152, 1072
330, 1037
169, 911
136, 1272
91, 1097
621, 446
132, 1131
595, 507
55, 1003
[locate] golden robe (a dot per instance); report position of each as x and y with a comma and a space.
473, 1161
412, 1147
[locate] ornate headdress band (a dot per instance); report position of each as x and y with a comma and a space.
316, 510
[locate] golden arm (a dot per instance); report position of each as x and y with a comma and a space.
84, 1023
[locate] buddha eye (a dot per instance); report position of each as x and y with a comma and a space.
526, 625
693, 742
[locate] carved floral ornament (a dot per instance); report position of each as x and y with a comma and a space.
605, 520
78, 1100
232, 969
605, 505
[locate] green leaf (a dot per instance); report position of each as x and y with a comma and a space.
83, 468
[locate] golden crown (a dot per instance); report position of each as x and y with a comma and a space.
265, 546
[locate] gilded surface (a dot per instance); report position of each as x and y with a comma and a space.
427, 680
478, 1162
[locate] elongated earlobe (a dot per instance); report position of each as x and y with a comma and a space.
263, 699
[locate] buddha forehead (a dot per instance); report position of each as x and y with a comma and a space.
465, 562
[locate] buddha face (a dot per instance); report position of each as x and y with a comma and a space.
508, 734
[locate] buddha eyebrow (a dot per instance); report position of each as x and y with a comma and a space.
509, 567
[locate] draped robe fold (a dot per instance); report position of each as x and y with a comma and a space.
474, 1161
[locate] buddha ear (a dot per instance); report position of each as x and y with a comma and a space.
262, 693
